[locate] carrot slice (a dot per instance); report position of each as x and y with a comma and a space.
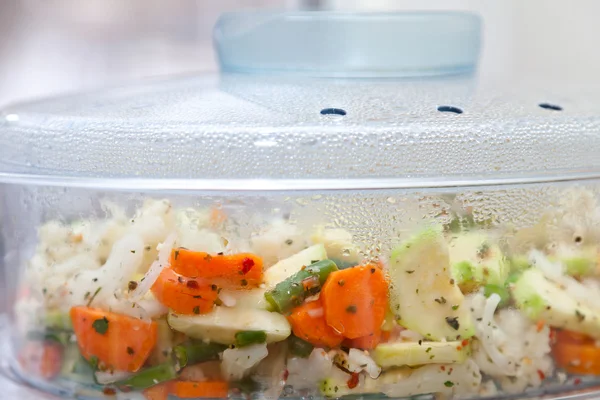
576, 353
577, 358
184, 295
236, 270
157, 392
208, 389
42, 358
565, 336
117, 341
355, 300
308, 323
368, 342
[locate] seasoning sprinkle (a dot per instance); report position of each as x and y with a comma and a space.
453, 322
351, 309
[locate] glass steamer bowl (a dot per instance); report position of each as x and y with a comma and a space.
320, 219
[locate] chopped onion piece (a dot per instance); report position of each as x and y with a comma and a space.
227, 299
106, 377
236, 362
359, 360
164, 252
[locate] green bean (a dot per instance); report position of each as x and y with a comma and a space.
149, 377
292, 291
246, 338
194, 352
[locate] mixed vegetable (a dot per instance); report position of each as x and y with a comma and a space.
164, 305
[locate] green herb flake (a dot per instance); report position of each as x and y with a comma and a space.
453, 322
454, 308
448, 383
196, 310
579, 315
428, 350
93, 296
100, 325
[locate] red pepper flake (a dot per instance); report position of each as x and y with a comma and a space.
443, 367
108, 391
541, 374
247, 264
458, 348
353, 381
464, 343
192, 284
577, 381
286, 374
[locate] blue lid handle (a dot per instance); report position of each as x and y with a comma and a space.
332, 44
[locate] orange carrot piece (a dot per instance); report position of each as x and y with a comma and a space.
237, 270
575, 352
157, 392
308, 325
563, 335
355, 301
42, 358
577, 358
184, 295
118, 341
368, 342
207, 389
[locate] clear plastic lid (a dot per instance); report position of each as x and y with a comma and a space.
319, 122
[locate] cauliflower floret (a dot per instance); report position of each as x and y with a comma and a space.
280, 240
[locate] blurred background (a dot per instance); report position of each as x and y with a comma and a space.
54, 46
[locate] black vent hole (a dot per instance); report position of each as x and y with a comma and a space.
548, 106
450, 109
333, 111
